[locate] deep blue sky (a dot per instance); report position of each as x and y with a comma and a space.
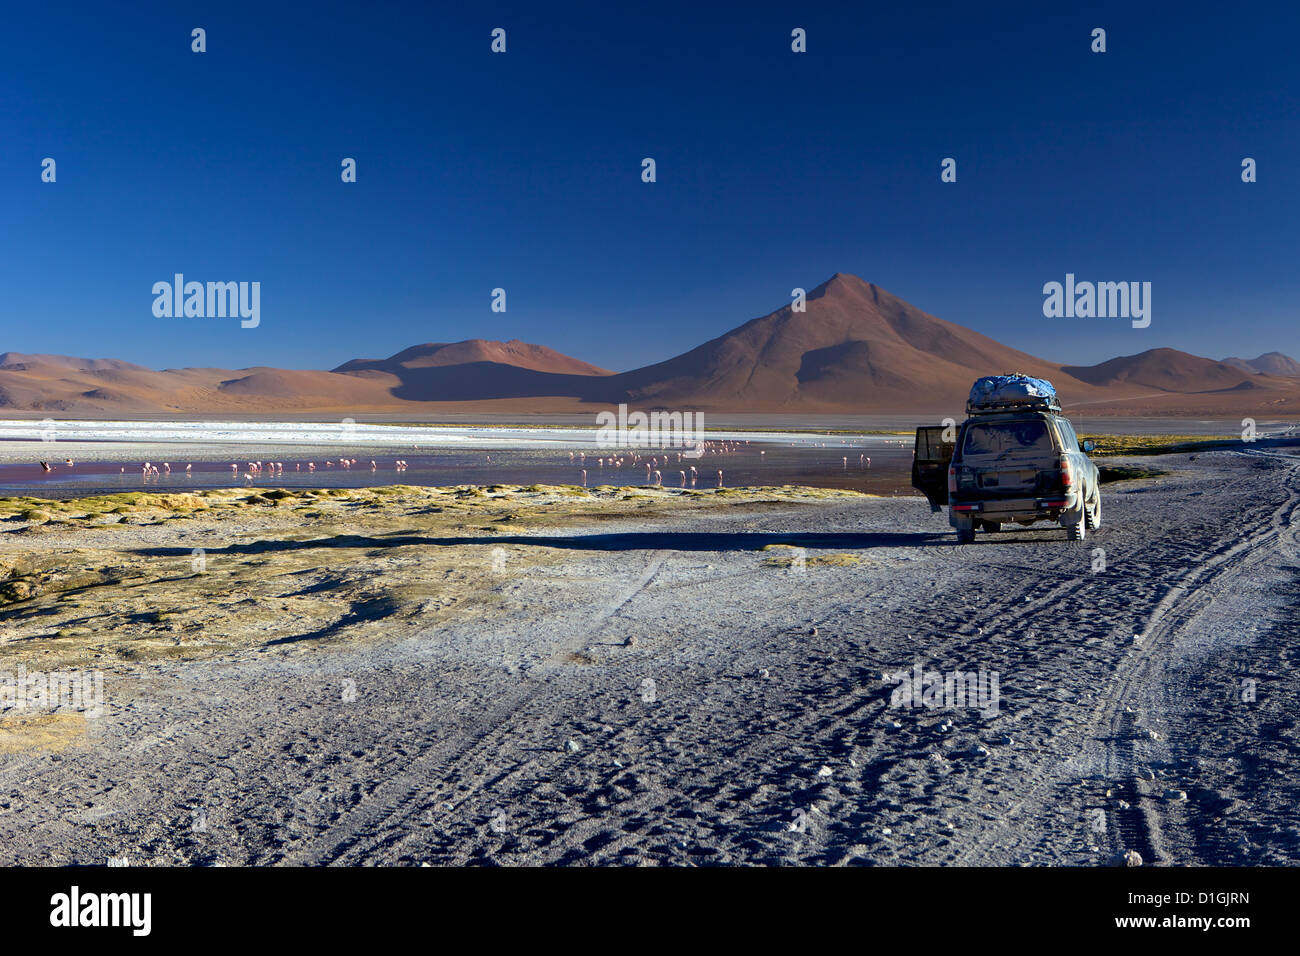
522, 171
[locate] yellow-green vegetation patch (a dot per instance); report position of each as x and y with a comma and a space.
30, 509
25, 731
834, 560
1108, 445
26, 577
299, 565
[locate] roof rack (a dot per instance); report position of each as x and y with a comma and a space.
1027, 404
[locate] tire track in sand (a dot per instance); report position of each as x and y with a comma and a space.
380, 819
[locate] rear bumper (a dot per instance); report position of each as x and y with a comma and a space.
1065, 508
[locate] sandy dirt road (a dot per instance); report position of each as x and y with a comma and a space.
666, 693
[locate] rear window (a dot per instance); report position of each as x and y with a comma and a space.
930, 445
1002, 438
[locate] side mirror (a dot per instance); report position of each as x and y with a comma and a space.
1088, 445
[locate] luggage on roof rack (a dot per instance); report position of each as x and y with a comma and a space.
1010, 393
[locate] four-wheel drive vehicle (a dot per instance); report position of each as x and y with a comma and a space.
1014, 459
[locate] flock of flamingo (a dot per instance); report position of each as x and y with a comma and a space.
655, 465
654, 468
254, 469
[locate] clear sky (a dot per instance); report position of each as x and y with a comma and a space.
523, 171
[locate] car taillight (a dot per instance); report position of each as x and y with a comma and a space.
952, 478
1067, 476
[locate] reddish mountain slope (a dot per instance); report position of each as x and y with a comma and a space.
1165, 369
855, 349
1270, 363
514, 353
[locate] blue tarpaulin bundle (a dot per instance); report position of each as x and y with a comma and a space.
1011, 390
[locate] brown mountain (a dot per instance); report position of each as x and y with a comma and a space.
854, 349
1270, 363
514, 353
1165, 369
20, 361
478, 370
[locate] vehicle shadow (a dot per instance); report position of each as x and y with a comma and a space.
629, 541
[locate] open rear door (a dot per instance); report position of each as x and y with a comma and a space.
930, 461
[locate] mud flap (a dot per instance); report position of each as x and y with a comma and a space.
1073, 517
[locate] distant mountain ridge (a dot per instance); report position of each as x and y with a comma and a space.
537, 358
19, 360
854, 348
1270, 363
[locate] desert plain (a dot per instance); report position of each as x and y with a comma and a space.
542, 674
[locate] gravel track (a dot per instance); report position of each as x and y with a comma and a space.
662, 693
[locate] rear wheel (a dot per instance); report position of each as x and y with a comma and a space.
1092, 515
1076, 531
965, 535
992, 527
